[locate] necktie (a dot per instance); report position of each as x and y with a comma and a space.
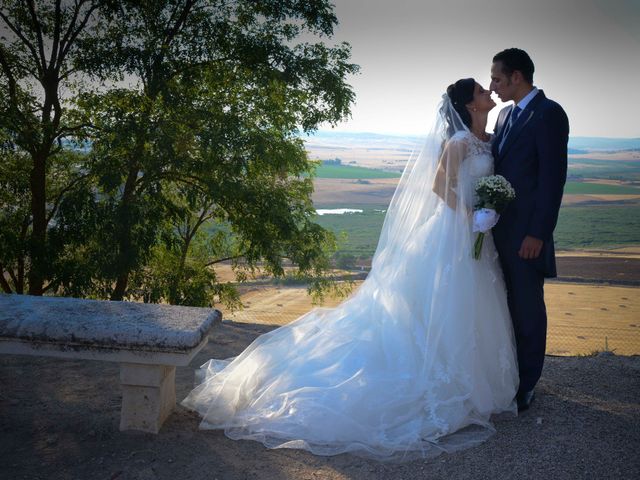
512, 120
515, 113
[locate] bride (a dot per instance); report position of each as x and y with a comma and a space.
420, 357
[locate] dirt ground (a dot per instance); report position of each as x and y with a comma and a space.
59, 420
612, 270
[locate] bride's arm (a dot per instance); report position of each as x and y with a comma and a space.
446, 179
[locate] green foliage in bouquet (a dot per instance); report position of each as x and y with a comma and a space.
494, 192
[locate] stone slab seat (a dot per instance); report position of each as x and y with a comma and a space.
148, 340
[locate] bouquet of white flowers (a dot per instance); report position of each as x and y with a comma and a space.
494, 193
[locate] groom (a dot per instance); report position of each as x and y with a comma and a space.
530, 151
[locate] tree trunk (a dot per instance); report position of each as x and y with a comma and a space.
19, 282
3, 281
121, 287
125, 249
179, 277
49, 126
37, 245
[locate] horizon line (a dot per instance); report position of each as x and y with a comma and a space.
396, 134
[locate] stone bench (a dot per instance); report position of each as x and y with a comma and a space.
148, 340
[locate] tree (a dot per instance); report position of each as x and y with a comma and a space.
191, 119
223, 91
39, 42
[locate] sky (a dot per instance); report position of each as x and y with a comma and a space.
586, 54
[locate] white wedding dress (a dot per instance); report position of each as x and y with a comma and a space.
413, 364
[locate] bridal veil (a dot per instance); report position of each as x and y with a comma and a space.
413, 363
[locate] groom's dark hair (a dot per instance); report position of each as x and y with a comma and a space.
513, 59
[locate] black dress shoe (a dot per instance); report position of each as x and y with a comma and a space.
525, 399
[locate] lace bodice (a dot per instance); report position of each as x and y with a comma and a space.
464, 160
477, 163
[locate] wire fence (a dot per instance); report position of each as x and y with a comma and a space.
587, 318
582, 319
568, 340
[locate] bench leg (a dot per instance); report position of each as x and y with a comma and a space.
148, 396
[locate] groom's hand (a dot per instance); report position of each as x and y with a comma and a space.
530, 248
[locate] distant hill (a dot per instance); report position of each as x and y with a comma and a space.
360, 136
577, 145
603, 143
576, 151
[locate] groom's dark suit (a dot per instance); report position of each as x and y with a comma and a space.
533, 158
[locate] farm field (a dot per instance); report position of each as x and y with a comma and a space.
582, 318
602, 225
350, 172
366, 150
588, 318
591, 187
338, 192
594, 305
619, 252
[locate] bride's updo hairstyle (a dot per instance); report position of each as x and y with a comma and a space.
461, 93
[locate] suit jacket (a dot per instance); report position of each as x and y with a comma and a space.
534, 160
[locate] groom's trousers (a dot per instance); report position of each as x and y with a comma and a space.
525, 295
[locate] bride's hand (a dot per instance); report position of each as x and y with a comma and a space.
485, 219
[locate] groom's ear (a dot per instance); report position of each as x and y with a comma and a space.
517, 77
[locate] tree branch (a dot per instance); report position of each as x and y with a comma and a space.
15, 281
56, 33
76, 32
177, 177
68, 73
223, 260
6, 68
3, 281
71, 130
67, 33
205, 215
173, 31
187, 67
24, 40
56, 203
38, 30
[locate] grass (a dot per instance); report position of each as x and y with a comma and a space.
358, 232
604, 169
343, 171
599, 189
578, 227
582, 168
598, 226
